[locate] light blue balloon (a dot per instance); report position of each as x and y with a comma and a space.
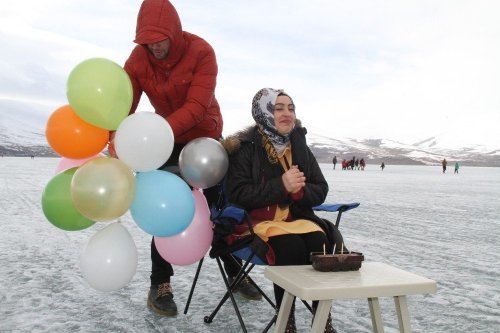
163, 205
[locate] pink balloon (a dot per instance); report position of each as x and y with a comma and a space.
193, 243
66, 163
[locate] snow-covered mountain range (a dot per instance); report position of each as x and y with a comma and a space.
425, 152
22, 133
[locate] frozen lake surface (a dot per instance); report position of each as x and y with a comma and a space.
442, 226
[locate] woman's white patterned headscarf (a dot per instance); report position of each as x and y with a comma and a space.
263, 113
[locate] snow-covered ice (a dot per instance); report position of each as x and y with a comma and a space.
442, 226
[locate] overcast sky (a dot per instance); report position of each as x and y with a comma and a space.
402, 70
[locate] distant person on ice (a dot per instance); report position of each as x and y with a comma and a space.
444, 163
334, 161
362, 163
457, 166
382, 166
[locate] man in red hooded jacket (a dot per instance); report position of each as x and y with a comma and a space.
177, 71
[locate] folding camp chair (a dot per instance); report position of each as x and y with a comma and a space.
250, 249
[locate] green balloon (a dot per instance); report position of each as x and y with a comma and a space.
100, 92
58, 206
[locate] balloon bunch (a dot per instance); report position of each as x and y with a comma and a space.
89, 187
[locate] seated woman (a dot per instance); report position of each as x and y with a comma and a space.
276, 178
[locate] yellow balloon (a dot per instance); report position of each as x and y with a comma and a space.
103, 189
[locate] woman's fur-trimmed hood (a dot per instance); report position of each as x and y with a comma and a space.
232, 143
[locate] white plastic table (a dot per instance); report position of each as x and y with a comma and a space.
373, 280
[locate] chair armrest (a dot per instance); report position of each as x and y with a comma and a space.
233, 212
344, 207
340, 208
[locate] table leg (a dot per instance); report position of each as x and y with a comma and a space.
377, 322
321, 316
285, 307
403, 314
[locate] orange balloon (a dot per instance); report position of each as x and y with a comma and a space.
72, 137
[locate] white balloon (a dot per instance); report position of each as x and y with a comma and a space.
144, 141
203, 162
109, 261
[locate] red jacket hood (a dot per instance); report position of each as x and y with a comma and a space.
158, 20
